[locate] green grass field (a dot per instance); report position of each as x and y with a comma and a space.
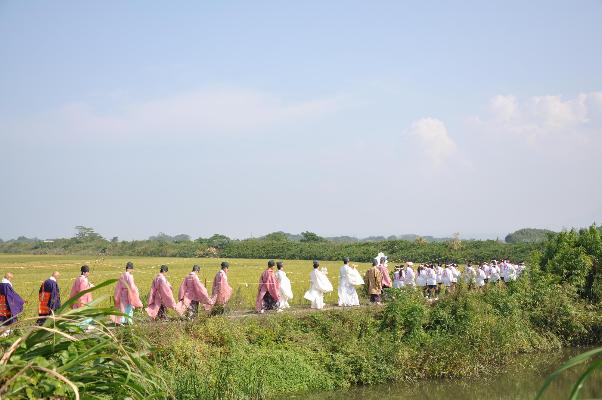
31, 270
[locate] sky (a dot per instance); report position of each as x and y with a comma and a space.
340, 117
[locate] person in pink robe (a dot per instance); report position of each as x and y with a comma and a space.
268, 293
382, 267
192, 293
161, 296
221, 290
82, 283
127, 296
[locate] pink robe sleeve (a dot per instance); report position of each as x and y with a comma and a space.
273, 286
79, 285
182, 289
192, 289
152, 309
161, 294
117, 293
133, 292
200, 292
221, 289
386, 278
164, 291
267, 284
261, 290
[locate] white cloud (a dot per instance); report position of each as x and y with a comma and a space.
432, 135
546, 116
503, 108
196, 113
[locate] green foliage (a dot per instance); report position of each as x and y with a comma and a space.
310, 237
276, 237
405, 314
216, 241
528, 235
86, 233
60, 360
575, 257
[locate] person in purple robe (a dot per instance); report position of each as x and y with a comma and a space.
11, 304
50, 298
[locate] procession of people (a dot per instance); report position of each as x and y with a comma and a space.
274, 290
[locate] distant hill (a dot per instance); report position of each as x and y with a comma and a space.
528, 235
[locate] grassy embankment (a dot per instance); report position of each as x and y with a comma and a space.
464, 334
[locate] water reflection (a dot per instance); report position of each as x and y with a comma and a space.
517, 382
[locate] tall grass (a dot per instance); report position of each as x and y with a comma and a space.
65, 359
595, 364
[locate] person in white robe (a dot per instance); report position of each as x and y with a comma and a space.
431, 282
319, 284
286, 290
520, 268
379, 257
494, 273
421, 278
439, 271
509, 273
398, 277
470, 275
410, 275
349, 277
487, 269
481, 277
447, 277
455, 274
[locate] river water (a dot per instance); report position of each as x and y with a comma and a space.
517, 382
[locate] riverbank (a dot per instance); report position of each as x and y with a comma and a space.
520, 380
466, 334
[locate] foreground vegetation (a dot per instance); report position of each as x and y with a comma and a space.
64, 359
464, 334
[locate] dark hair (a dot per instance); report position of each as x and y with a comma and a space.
316, 263
225, 264
84, 269
346, 260
163, 268
271, 263
129, 265
279, 265
196, 268
374, 263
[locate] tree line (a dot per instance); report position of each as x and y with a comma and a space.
307, 245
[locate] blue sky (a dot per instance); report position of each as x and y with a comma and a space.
360, 118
